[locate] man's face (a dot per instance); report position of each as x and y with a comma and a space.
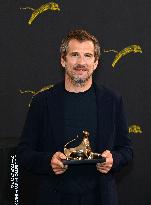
80, 61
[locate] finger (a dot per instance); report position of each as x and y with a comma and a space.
100, 164
60, 168
107, 169
104, 167
59, 172
57, 168
103, 171
59, 156
62, 156
106, 153
57, 163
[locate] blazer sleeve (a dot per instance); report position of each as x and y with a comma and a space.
28, 155
122, 151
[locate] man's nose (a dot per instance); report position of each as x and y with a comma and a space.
81, 60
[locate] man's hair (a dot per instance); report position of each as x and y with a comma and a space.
80, 35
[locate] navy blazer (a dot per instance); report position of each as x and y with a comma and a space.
43, 135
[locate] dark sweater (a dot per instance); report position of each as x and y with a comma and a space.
80, 114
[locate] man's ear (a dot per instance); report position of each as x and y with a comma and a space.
95, 64
63, 63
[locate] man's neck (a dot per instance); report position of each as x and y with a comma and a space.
76, 88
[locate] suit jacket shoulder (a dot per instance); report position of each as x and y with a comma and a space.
107, 94
48, 92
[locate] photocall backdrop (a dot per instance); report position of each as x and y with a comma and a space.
30, 36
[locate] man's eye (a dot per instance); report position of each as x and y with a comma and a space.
88, 55
74, 54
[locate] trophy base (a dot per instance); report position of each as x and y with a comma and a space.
83, 161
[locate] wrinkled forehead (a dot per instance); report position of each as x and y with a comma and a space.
80, 46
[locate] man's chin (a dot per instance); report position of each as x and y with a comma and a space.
79, 81
81, 78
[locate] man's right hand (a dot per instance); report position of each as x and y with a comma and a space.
56, 163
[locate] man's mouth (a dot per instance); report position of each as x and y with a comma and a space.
80, 69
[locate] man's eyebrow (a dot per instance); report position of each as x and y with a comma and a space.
73, 52
89, 54
76, 52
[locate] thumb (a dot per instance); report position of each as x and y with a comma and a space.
105, 153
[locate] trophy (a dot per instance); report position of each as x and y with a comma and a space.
82, 154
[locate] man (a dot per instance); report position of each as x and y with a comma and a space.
57, 115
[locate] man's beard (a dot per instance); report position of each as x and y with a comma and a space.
75, 78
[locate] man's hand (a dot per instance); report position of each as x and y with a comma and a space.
56, 163
105, 166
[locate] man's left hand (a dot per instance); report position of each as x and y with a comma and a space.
105, 166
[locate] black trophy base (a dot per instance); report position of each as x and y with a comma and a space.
83, 161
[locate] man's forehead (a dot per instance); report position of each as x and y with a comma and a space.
75, 44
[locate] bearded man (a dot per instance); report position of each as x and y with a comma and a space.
59, 114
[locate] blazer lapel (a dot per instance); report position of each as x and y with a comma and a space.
105, 125
56, 111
